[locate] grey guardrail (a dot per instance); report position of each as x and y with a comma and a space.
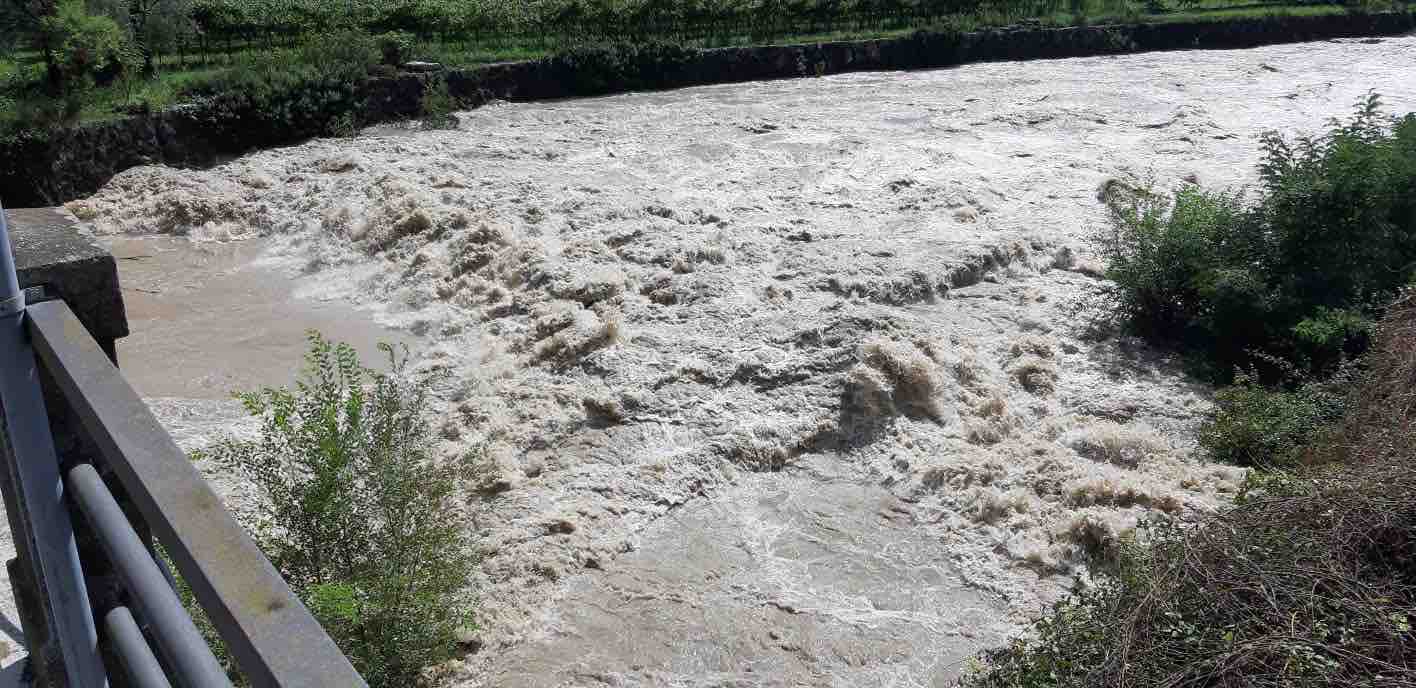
273, 637
64, 645
129, 483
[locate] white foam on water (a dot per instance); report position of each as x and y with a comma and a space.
665, 310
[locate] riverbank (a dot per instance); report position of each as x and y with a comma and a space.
60, 165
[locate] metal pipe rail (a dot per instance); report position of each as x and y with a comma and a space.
178, 639
132, 649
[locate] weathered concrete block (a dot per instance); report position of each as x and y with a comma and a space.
421, 67
50, 252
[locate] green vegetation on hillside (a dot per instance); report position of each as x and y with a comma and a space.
74, 61
208, 27
1309, 579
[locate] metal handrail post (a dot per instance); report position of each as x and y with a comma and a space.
12, 300
34, 501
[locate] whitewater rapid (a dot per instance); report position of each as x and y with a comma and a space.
784, 383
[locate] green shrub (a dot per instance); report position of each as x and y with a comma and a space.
346, 54
1117, 40
1339, 211
83, 47
357, 514
340, 56
1253, 425
312, 90
396, 47
1163, 255
345, 126
26, 105
12, 88
596, 69
1298, 273
41, 111
437, 104
1329, 335
253, 110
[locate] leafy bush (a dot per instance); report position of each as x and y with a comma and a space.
266, 109
1257, 426
309, 91
396, 47
1117, 40
8, 71
26, 105
596, 69
42, 111
1308, 581
11, 89
1339, 211
438, 104
357, 514
345, 126
83, 47
1328, 334
1168, 258
345, 54
1298, 274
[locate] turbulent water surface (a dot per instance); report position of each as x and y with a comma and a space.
777, 383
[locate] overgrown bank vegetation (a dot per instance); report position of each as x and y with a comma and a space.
1300, 297
1310, 580
1280, 292
1299, 274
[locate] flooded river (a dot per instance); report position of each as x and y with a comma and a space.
780, 383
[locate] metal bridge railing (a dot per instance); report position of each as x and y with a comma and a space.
147, 638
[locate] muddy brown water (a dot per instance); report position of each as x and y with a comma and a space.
778, 383
209, 319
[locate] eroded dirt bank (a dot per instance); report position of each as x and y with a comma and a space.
778, 383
